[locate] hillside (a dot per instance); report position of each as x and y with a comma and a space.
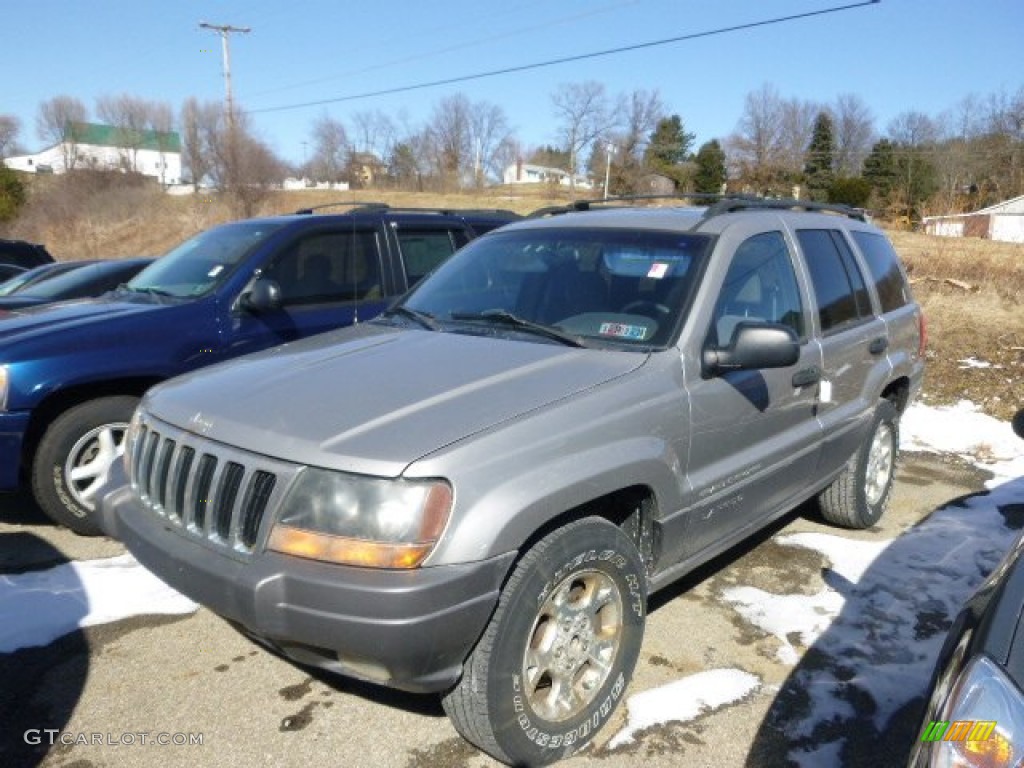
971, 289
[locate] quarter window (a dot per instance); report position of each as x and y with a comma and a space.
884, 266
838, 284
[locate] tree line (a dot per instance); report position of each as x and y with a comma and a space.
629, 143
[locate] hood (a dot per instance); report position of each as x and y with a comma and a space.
372, 399
78, 315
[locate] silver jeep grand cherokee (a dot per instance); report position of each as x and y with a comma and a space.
476, 493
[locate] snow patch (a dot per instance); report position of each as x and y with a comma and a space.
684, 700
38, 607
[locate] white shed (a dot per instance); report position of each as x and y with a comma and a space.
1002, 221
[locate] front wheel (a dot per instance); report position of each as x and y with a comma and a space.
555, 659
74, 457
859, 496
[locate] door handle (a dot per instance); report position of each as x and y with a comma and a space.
807, 376
878, 346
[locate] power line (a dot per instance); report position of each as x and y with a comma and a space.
568, 59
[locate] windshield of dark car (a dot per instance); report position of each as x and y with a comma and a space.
203, 262
621, 287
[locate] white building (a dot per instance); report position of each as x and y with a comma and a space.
106, 147
525, 173
1003, 221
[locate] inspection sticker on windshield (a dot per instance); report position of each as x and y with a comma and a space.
215, 271
621, 331
658, 270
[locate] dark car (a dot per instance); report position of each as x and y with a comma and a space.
83, 280
16, 255
23, 278
975, 713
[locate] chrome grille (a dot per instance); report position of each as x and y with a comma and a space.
210, 491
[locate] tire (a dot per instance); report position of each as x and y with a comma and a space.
74, 456
588, 575
858, 497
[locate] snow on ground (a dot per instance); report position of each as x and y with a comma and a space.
684, 700
38, 607
881, 618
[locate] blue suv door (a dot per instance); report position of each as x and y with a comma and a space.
329, 278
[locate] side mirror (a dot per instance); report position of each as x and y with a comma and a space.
1018, 423
265, 296
753, 346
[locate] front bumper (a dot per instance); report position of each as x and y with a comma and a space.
405, 629
13, 426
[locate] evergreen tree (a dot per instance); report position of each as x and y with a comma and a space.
669, 147
880, 169
711, 175
820, 158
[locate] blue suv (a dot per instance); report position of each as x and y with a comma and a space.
72, 373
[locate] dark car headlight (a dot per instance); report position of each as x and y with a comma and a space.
979, 725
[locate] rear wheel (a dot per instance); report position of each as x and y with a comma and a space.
74, 458
555, 660
860, 495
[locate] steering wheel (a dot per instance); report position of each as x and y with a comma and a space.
644, 307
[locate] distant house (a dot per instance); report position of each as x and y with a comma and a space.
525, 173
1003, 221
107, 147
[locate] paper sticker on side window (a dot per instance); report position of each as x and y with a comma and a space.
622, 331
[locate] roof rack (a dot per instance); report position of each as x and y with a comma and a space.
620, 200
731, 205
350, 203
362, 206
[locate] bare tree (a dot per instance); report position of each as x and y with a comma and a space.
374, 132
639, 111
244, 167
131, 117
583, 115
330, 148
755, 148
450, 132
797, 129
854, 133
200, 125
57, 122
10, 127
488, 133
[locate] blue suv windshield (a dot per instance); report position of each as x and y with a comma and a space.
203, 262
619, 287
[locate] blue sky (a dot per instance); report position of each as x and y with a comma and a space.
897, 55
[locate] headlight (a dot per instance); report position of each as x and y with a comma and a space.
982, 722
131, 437
364, 521
3, 387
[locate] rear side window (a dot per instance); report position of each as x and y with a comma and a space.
884, 266
423, 250
838, 284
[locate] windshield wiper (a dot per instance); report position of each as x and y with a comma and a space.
504, 317
425, 319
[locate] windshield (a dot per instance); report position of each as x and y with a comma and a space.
620, 287
201, 263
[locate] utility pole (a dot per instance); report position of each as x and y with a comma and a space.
224, 30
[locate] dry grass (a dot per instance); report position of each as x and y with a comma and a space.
985, 323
